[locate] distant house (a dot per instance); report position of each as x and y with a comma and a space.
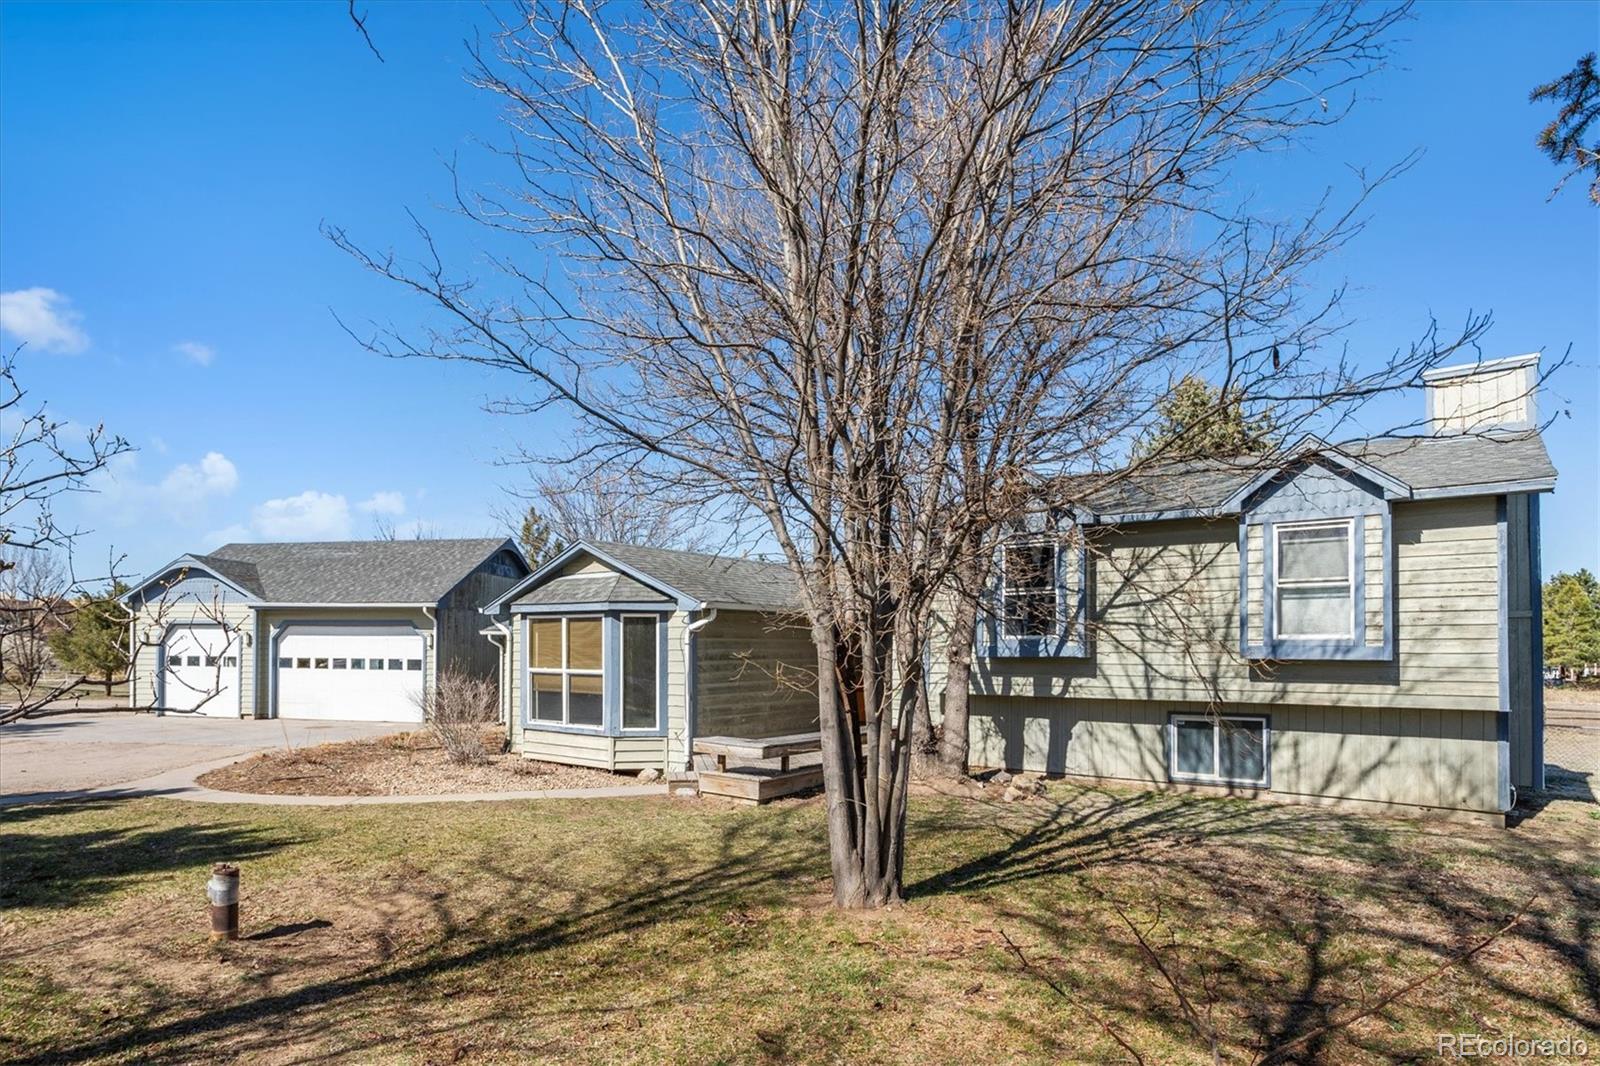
334, 630
617, 656
1355, 624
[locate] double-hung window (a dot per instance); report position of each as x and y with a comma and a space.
1314, 580
1028, 588
1219, 749
564, 672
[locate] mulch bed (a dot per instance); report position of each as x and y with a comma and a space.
402, 764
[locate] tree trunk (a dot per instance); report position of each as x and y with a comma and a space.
958, 671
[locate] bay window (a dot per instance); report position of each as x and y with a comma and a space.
641, 672
565, 682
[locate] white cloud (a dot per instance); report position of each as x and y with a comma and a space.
43, 318
195, 352
311, 515
188, 484
389, 503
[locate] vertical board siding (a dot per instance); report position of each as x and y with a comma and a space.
755, 676
1167, 615
462, 644
1525, 676
1427, 758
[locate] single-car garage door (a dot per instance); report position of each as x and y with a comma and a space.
200, 670
350, 672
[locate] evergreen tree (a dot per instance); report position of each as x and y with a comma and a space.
95, 640
540, 542
1578, 93
1572, 621
1196, 420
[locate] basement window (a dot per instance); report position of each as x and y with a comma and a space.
1215, 749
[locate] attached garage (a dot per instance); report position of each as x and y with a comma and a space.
335, 630
350, 672
200, 670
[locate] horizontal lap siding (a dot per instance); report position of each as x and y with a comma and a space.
573, 749
1167, 618
1430, 758
755, 676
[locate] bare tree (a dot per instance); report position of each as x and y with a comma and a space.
617, 506
876, 272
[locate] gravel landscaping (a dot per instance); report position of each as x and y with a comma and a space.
402, 764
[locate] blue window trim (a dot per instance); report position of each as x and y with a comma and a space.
610, 671
1264, 785
1353, 649
1070, 641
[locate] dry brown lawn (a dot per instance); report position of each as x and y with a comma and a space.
673, 930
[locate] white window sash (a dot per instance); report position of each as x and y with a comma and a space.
1051, 584
1217, 724
1347, 584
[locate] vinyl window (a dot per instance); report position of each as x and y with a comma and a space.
566, 684
1314, 580
1219, 749
641, 672
1028, 588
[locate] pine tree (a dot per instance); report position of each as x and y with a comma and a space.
1197, 421
95, 640
1572, 621
540, 542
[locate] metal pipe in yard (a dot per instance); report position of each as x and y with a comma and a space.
223, 892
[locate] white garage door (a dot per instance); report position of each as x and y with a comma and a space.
200, 671
351, 673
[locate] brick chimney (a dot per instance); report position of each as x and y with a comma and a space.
1474, 397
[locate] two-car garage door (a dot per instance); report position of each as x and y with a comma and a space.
350, 672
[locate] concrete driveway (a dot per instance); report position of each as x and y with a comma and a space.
79, 751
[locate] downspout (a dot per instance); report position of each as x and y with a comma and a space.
502, 640
690, 711
432, 614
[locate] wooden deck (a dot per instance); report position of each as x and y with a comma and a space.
758, 784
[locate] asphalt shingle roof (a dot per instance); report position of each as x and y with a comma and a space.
611, 587
1422, 463
351, 571
719, 579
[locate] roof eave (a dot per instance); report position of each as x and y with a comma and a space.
533, 580
189, 562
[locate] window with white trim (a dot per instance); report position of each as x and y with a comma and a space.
641, 672
1219, 749
1314, 580
1028, 588
565, 681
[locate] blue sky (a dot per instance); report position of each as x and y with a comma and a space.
164, 170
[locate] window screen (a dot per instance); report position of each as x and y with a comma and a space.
639, 673
1221, 749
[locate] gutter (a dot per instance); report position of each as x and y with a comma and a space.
690, 711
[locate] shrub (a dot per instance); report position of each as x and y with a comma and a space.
456, 711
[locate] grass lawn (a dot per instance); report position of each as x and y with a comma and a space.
682, 931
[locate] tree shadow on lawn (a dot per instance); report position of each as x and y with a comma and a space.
1261, 865
757, 862
61, 870
1205, 864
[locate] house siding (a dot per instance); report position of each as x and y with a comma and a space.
1422, 729
462, 645
1167, 611
1524, 683
755, 676
1443, 759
